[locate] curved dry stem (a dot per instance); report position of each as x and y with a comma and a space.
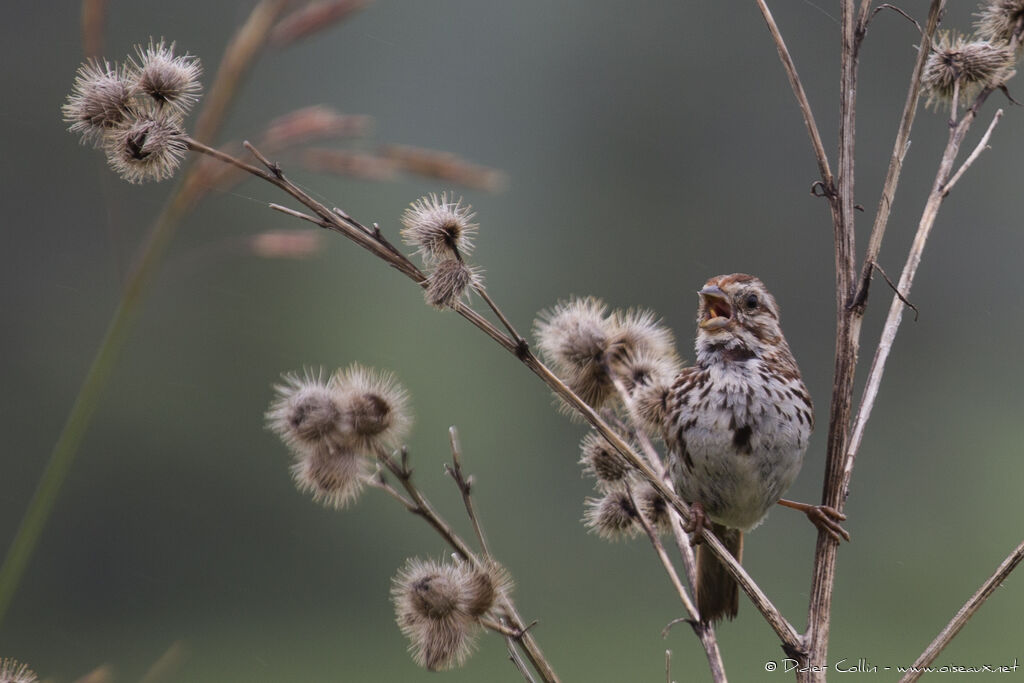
375, 243
964, 614
418, 504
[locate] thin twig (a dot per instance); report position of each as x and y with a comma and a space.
465, 485
897, 10
421, 507
982, 146
899, 152
666, 562
896, 291
964, 614
801, 98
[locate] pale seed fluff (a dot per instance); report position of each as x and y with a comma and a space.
654, 507
374, 407
305, 412
148, 145
967, 66
998, 19
168, 79
13, 671
439, 227
100, 100
612, 516
433, 611
450, 280
643, 350
333, 476
485, 586
601, 460
650, 401
576, 337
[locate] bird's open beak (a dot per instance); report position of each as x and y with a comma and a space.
717, 312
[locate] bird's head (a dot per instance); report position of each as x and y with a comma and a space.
737, 315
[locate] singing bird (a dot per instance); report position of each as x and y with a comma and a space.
737, 426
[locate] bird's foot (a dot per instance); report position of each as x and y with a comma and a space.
825, 517
697, 523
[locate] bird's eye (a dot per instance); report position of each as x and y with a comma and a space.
751, 301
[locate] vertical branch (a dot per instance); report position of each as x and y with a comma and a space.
846, 349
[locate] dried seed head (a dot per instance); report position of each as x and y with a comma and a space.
100, 100
334, 476
601, 459
998, 19
431, 611
484, 586
169, 80
612, 516
305, 412
654, 507
970, 66
13, 671
651, 404
576, 337
148, 145
639, 331
439, 228
450, 281
374, 407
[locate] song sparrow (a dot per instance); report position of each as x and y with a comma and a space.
737, 426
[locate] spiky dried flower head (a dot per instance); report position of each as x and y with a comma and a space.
439, 228
968, 66
589, 346
13, 671
333, 475
602, 460
135, 110
998, 19
375, 407
484, 587
432, 611
575, 337
148, 145
450, 280
654, 507
612, 516
650, 401
168, 79
305, 412
100, 100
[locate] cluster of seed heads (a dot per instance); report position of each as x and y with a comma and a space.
335, 427
607, 358
438, 607
966, 65
442, 232
592, 349
134, 111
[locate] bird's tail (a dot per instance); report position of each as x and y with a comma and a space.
718, 594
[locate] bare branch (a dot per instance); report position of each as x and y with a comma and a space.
982, 146
801, 98
899, 152
964, 615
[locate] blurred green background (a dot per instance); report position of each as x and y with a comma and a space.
648, 146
